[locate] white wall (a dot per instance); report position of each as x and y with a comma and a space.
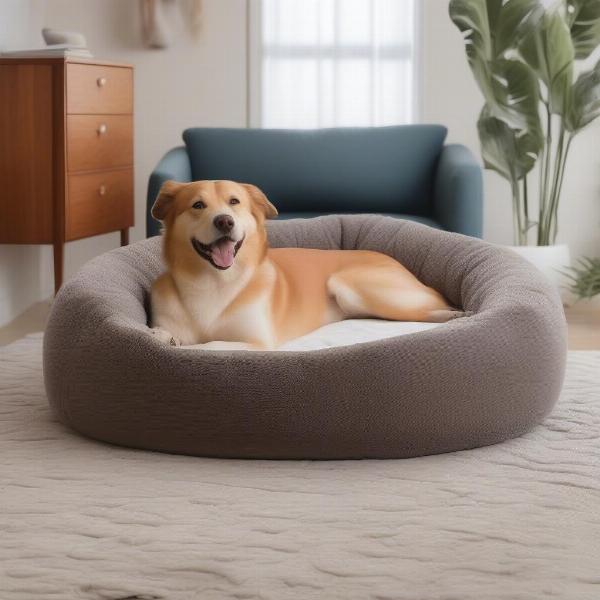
204, 83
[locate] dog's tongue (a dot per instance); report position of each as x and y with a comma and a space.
223, 253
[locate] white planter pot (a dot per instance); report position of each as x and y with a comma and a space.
552, 261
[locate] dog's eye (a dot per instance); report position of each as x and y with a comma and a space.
234, 201
198, 205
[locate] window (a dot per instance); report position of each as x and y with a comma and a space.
328, 63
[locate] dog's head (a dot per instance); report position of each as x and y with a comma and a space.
212, 221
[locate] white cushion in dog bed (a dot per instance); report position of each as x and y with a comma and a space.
343, 333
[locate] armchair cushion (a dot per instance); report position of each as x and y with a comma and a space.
373, 169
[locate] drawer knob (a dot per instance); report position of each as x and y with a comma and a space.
102, 190
101, 81
102, 129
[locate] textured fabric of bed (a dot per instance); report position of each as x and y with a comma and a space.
81, 520
312, 215
471, 382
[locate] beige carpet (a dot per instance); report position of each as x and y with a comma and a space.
79, 519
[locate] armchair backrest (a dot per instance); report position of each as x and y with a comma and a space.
373, 169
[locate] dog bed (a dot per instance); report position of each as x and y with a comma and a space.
471, 382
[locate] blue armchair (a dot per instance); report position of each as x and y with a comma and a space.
404, 171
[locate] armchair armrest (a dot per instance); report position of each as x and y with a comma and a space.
175, 164
458, 191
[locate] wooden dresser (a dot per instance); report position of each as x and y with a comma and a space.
66, 151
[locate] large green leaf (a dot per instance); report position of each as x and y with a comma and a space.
490, 27
515, 96
476, 21
547, 47
510, 88
472, 17
509, 152
515, 17
583, 17
585, 100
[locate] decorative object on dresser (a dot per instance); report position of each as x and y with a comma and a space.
58, 44
66, 151
159, 17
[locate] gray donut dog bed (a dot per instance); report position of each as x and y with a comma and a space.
472, 382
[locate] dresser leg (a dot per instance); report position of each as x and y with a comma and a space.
59, 250
124, 237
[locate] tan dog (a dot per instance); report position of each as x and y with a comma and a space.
224, 284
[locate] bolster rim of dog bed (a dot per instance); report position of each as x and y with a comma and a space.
471, 382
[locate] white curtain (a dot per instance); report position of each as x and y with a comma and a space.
327, 63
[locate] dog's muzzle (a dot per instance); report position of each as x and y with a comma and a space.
220, 253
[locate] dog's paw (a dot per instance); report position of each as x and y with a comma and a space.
164, 336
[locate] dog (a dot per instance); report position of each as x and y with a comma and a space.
224, 287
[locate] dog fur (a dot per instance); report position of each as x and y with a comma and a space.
224, 287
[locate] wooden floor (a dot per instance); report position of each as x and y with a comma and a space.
584, 325
32, 320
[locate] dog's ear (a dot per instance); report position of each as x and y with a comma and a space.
164, 200
260, 200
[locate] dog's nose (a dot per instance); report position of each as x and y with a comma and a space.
224, 223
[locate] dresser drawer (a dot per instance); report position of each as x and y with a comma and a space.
99, 142
95, 89
99, 203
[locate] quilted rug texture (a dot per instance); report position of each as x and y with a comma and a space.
84, 520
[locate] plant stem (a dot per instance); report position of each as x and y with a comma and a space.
557, 193
525, 210
542, 232
517, 224
549, 224
540, 190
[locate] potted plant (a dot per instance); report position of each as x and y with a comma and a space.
523, 55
